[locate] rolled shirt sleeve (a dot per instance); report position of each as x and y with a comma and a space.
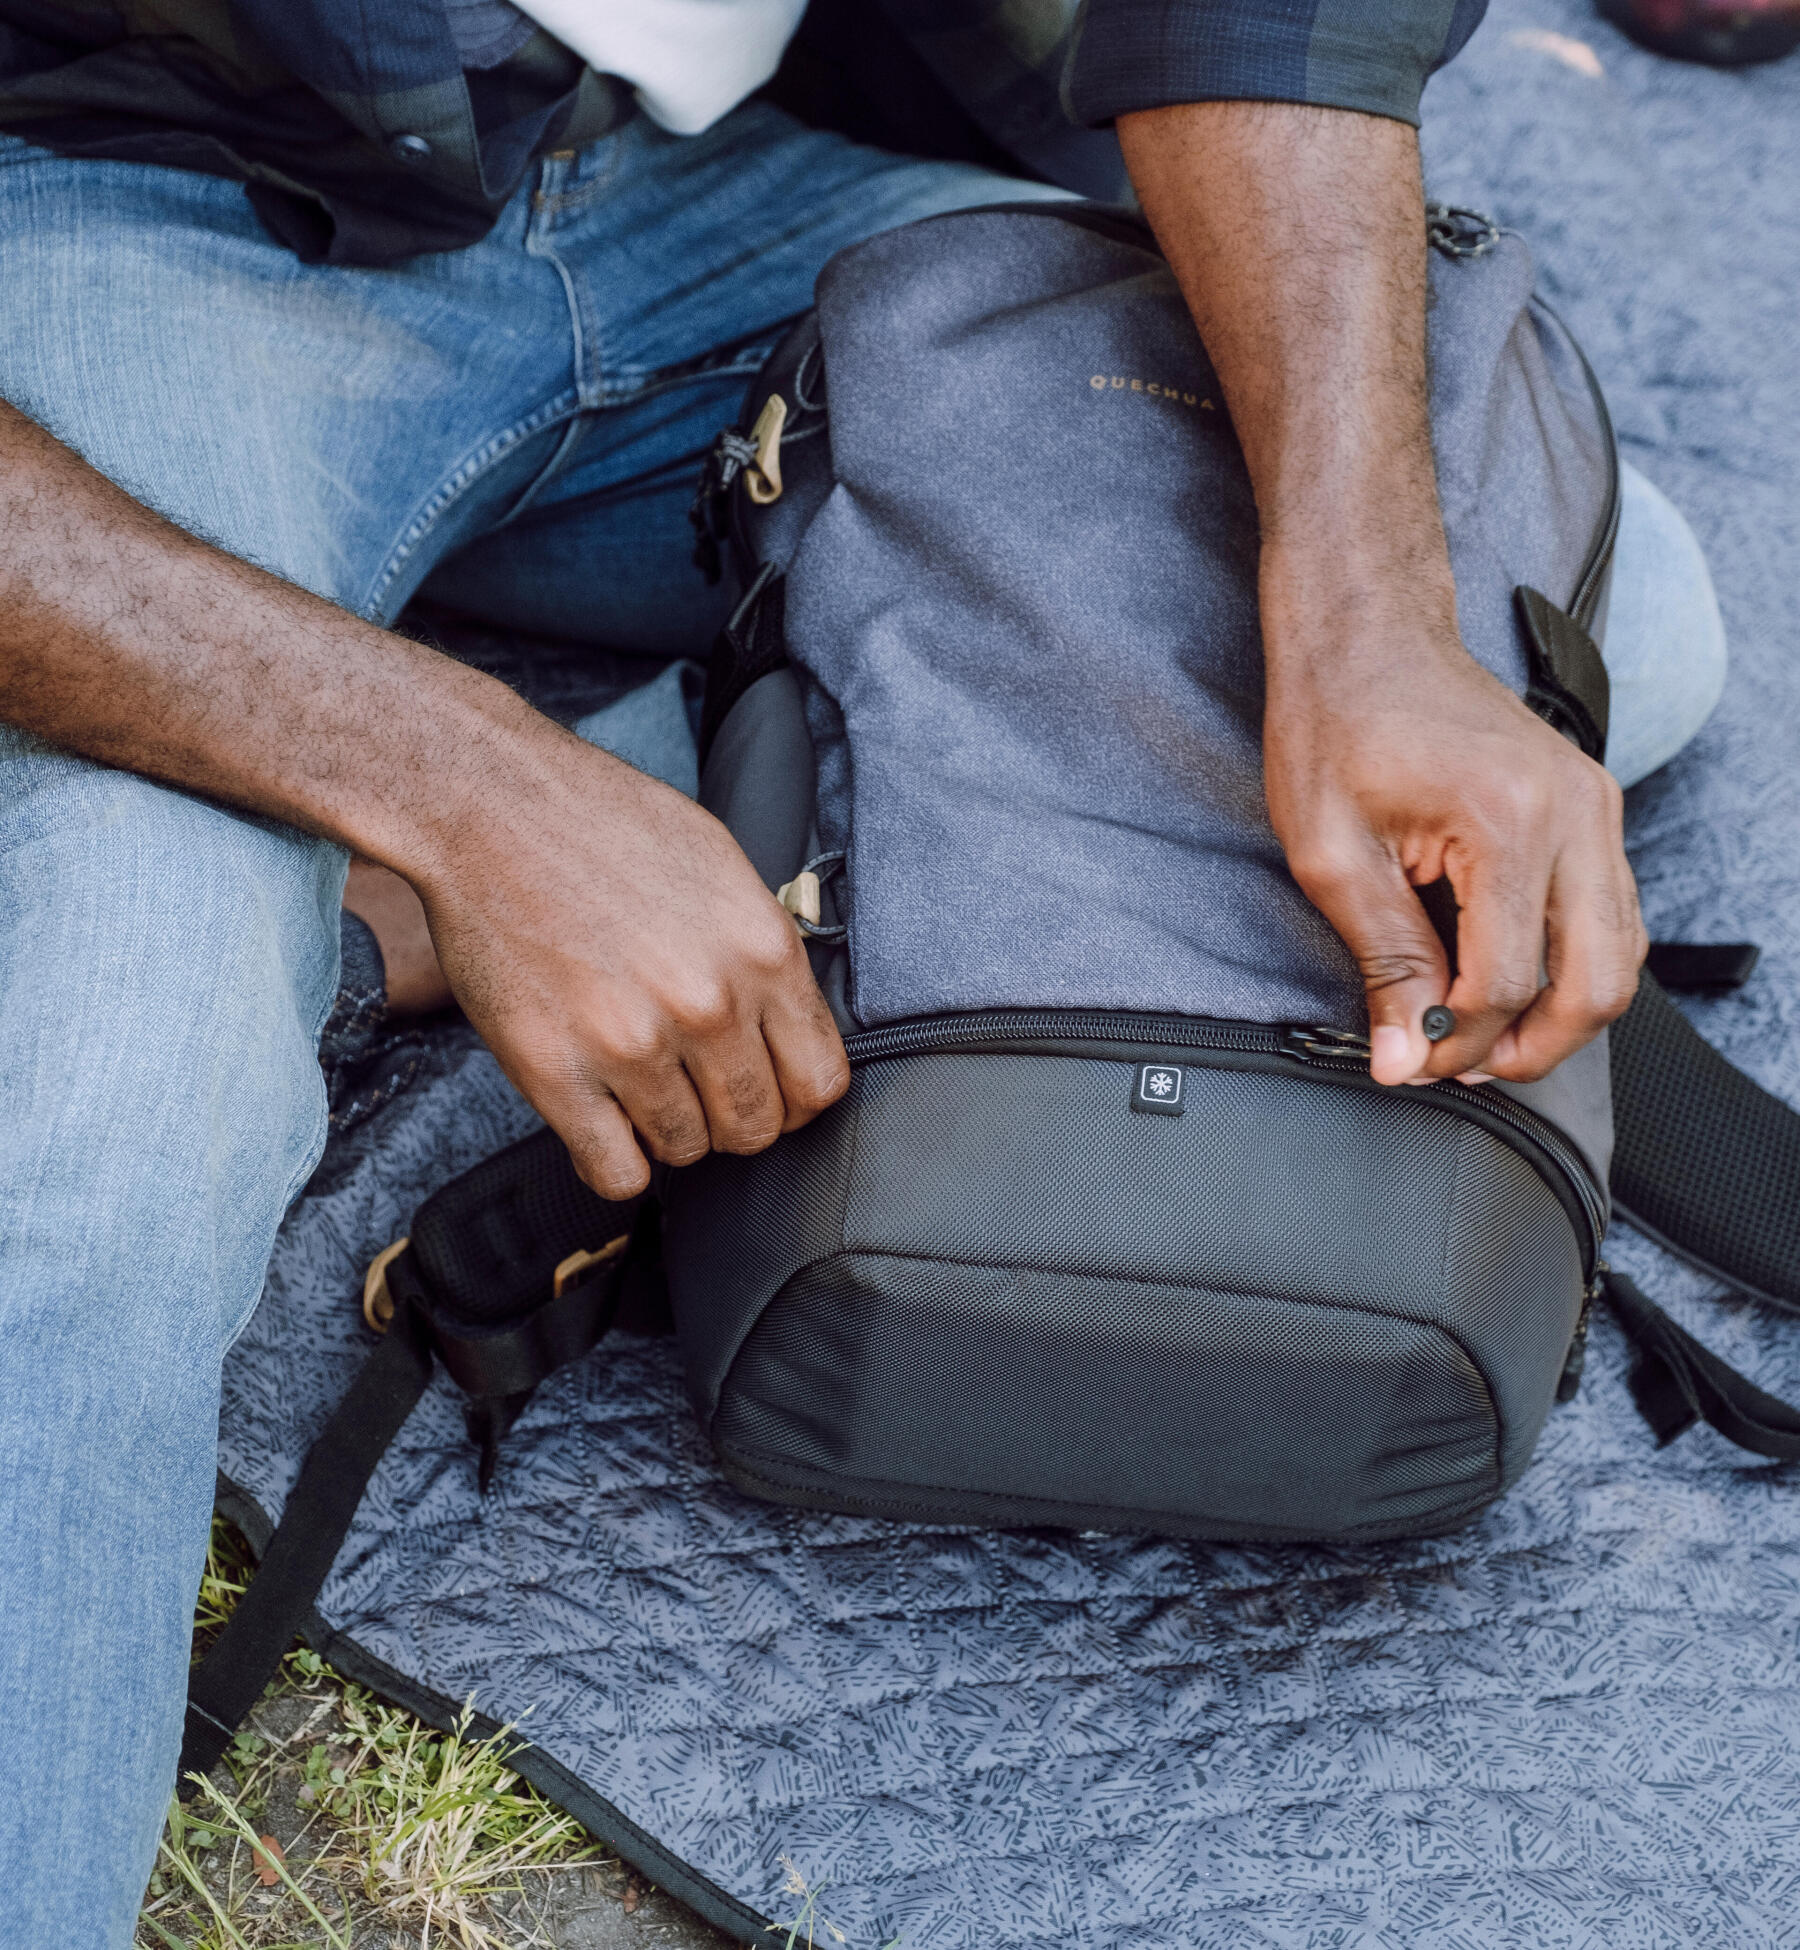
1370, 55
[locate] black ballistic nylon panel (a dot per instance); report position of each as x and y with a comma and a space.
1041, 1161
1295, 1310
1515, 1270
1049, 1396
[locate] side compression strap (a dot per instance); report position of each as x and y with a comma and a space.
487, 1285
1676, 1382
242, 1661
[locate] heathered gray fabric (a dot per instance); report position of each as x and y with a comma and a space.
1031, 599
1572, 1727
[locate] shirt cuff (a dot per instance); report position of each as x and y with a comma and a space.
1369, 55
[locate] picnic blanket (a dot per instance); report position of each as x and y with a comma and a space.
1576, 1723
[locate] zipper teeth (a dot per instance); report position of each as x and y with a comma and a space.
1180, 1032
906, 1038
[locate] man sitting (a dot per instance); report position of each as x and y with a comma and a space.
306, 308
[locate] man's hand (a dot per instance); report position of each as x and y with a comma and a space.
606, 936
631, 972
1391, 758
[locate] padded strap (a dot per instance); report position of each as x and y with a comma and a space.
1676, 1382
1568, 685
487, 1244
1706, 1161
320, 1507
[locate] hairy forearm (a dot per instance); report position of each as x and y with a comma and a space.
1298, 236
606, 936
1391, 760
128, 641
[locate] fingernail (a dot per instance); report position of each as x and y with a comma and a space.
1390, 1048
1475, 1076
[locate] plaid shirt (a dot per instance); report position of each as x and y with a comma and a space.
366, 133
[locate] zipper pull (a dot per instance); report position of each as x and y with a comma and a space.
1568, 1384
762, 477
1307, 1044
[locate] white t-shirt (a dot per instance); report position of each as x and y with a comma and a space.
689, 61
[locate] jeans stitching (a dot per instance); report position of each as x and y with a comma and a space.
454, 485
584, 327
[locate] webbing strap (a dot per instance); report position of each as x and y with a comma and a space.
1568, 686
320, 1508
1676, 1382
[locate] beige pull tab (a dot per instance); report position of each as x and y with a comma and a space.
800, 896
571, 1271
763, 476
378, 1301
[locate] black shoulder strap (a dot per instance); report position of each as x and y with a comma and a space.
512, 1271
1706, 1163
320, 1507
1676, 1382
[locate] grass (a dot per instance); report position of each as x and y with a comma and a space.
337, 1822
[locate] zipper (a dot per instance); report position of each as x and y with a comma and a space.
1568, 1384
1587, 587
1339, 1052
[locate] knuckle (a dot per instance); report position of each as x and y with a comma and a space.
1515, 802
705, 1009
674, 1143
1614, 995
613, 1170
1528, 1069
1392, 967
752, 1120
1322, 861
632, 1042
1508, 995
751, 1136
672, 1125
773, 946
821, 1086
1603, 789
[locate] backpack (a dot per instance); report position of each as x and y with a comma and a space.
1112, 1228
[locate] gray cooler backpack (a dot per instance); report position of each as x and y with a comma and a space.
1113, 1229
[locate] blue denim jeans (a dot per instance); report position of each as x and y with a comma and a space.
518, 426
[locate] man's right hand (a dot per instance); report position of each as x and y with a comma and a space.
607, 937
629, 970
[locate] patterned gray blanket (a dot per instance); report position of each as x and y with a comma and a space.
1576, 1724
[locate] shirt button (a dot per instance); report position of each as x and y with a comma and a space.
412, 149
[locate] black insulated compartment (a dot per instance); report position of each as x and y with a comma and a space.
1021, 1302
